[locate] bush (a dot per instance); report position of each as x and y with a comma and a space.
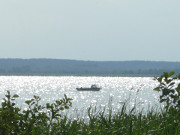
36, 119
169, 85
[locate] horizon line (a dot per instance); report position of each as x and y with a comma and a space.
91, 60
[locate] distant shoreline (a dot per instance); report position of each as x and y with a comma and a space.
80, 75
60, 67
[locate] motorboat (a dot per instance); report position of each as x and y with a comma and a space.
92, 88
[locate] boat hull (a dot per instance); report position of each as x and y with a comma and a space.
88, 89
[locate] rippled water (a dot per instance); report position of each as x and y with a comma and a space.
137, 89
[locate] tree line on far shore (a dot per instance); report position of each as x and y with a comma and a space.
85, 68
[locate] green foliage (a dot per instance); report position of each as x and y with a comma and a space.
169, 85
35, 119
124, 122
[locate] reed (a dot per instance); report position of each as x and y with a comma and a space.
123, 122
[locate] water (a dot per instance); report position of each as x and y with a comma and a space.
137, 90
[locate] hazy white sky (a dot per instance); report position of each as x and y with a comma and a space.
90, 29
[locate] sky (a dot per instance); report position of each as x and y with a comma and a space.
98, 30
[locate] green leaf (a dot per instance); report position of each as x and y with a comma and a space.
156, 89
17, 109
176, 77
8, 96
160, 79
172, 96
170, 74
178, 88
62, 108
65, 96
70, 99
8, 92
15, 96
66, 107
47, 105
28, 102
168, 81
166, 74
162, 100
166, 92
173, 91
161, 97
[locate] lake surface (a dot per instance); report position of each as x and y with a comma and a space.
137, 90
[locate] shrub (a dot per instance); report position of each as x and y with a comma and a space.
169, 85
35, 119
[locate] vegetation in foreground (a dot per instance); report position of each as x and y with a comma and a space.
48, 119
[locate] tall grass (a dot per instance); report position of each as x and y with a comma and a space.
123, 122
